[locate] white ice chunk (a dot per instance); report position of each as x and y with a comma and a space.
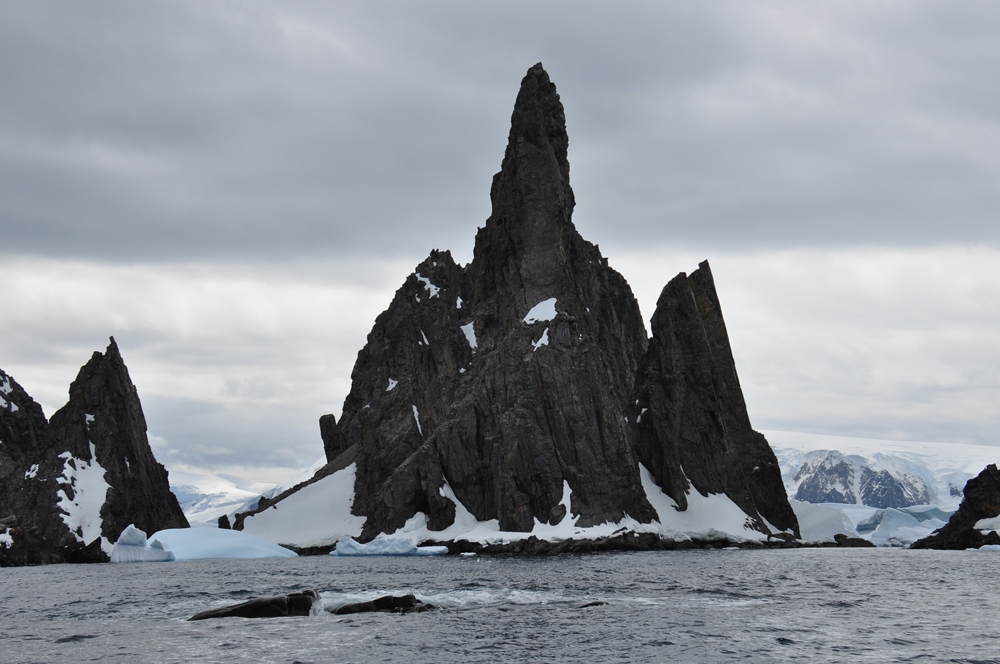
820, 523
386, 547
431, 288
31, 472
216, 543
392, 384
542, 312
416, 416
82, 513
295, 520
133, 547
470, 335
988, 524
544, 341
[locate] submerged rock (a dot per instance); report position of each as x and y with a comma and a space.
387, 603
527, 376
279, 606
70, 485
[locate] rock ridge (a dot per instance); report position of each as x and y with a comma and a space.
525, 379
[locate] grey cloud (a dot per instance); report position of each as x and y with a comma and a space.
215, 131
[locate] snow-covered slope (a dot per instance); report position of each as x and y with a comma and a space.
204, 497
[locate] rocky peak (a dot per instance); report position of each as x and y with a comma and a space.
72, 484
527, 377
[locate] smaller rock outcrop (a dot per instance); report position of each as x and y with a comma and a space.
279, 606
69, 486
981, 501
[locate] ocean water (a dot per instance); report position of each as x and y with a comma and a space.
692, 606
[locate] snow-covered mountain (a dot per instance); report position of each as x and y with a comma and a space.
878, 473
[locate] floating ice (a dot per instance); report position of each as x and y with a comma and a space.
432, 290
544, 341
386, 547
897, 528
470, 335
133, 547
217, 543
542, 312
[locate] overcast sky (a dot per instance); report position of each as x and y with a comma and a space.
234, 190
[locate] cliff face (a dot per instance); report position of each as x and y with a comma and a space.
71, 485
529, 371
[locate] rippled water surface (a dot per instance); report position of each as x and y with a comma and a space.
792, 605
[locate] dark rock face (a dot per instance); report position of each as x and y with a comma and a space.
529, 370
835, 478
93, 454
280, 606
981, 501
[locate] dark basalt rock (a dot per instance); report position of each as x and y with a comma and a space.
387, 603
456, 387
981, 501
279, 606
102, 424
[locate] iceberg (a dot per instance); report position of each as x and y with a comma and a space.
385, 547
133, 547
899, 528
192, 544
821, 522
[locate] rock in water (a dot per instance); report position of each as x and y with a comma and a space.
980, 502
280, 606
71, 485
528, 372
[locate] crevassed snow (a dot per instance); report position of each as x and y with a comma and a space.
317, 515
544, 341
416, 416
82, 513
216, 543
385, 547
392, 384
432, 290
470, 335
542, 312
31, 472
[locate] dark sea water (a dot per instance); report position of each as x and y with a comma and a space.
694, 606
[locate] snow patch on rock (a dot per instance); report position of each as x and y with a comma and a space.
542, 312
